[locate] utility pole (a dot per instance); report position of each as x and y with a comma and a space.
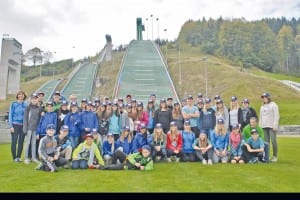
205, 73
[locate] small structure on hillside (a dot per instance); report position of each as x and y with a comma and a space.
10, 66
108, 46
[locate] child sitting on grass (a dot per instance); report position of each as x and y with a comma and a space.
136, 161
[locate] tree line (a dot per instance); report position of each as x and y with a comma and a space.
271, 44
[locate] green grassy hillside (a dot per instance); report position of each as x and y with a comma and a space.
223, 79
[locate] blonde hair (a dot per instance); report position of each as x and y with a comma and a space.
220, 131
129, 137
158, 135
203, 143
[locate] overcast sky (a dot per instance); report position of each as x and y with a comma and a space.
60, 25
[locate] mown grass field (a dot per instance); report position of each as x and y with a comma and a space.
282, 176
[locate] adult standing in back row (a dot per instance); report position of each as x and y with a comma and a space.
269, 121
191, 113
15, 119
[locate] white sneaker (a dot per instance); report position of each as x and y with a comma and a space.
157, 158
27, 161
177, 159
169, 160
274, 159
204, 162
209, 162
35, 160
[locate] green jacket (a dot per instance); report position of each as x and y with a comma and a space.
138, 158
247, 132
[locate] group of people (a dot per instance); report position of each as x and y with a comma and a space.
125, 134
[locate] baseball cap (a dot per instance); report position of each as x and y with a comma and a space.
245, 100
73, 103
207, 100
64, 128
126, 128
49, 103
217, 97
139, 104
57, 92
158, 125
220, 121
34, 95
88, 136
143, 125
173, 123
219, 101
170, 98
64, 103
147, 147
50, 126
163, 101
200, 95
40, 92
190, 96
84, 100
233, 98
235, 126
253, 131
109, 134
89, 103
187, 122
265, 94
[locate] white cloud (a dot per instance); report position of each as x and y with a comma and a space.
58, 25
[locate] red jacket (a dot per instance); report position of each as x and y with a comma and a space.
174, 144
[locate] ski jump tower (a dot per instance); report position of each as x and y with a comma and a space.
10, 66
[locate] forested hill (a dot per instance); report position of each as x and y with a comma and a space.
272, 44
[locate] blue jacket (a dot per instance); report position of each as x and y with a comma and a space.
208, 119
73, 120
16, 113
114, 124
89, 120
127, 147
107, 148
47, 118
188, 140
139, 141
220, 141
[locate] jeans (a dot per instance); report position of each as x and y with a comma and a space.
270, 134
30, 140
79, 164
17, 139
74, 141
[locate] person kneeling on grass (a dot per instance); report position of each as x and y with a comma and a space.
253, 150
83, 155
49, 153
136, 161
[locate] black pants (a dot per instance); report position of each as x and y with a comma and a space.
17, 140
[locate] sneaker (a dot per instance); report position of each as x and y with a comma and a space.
27, 161
169, 160
177, 159
209, 162
204, 162
16, 160
35, 160
19, 159
274, 159
40, 166
66, 166
157, 158
173, 158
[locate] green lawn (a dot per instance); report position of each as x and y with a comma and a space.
282, 176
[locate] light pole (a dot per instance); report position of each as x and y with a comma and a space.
157, 19
54, 65
165, 30
152, 25
41, 68
73, 57
147, 27
205, 73
179, 64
